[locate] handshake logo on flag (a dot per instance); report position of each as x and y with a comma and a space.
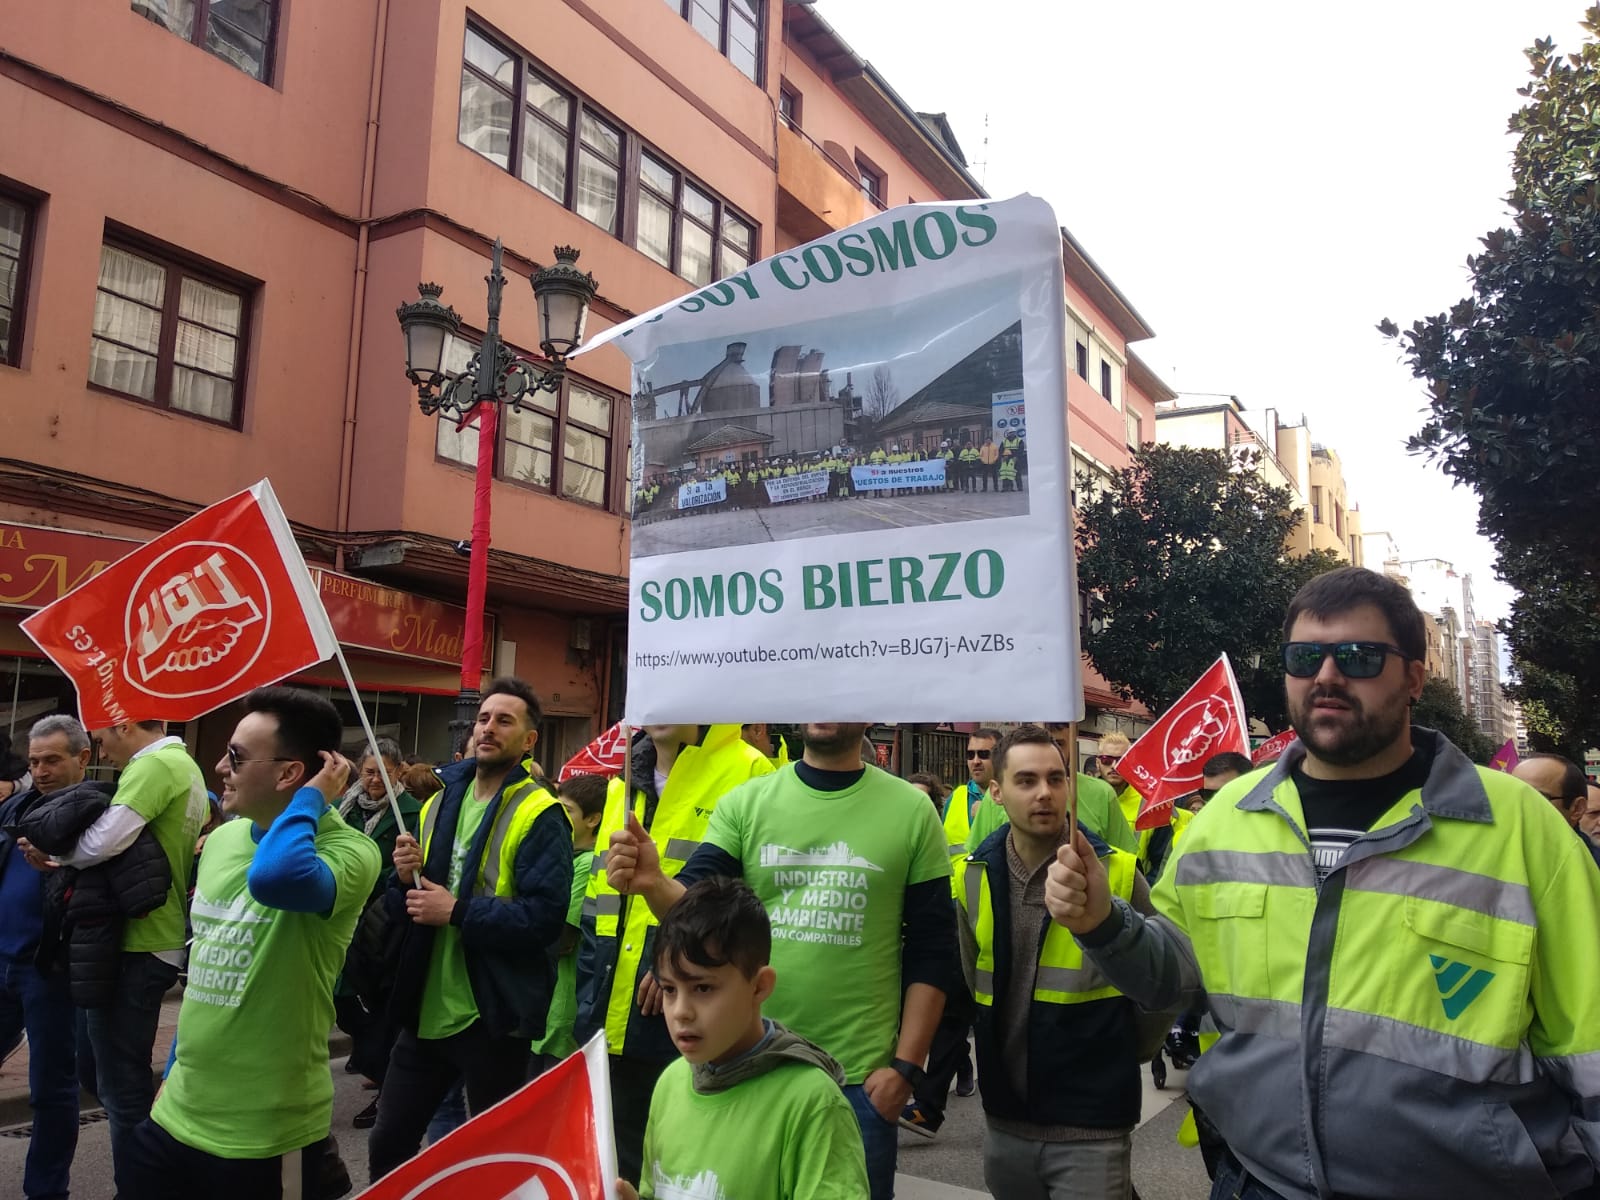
189, 614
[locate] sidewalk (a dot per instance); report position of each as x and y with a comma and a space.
14, 1108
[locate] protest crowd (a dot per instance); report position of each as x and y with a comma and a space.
950, 465
1378, 958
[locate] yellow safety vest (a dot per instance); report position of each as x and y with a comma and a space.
513, 814
700, 776
1062, 976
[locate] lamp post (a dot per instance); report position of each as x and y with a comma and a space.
493, 376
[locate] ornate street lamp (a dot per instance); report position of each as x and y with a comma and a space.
493, 376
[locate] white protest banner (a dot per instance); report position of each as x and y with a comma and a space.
797, 487
898, 475
707, 491
930, 605
1010, 415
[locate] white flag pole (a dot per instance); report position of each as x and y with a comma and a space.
372, 741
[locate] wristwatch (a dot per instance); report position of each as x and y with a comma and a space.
910, 1072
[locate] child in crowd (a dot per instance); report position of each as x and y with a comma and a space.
751, 1109
584, 798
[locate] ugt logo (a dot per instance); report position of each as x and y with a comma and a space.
197, 619
500, 1177
1198, 728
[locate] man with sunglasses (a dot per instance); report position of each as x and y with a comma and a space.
1382, 933
1218, 771
246, 1108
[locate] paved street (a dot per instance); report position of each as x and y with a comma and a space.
948, 1167
803, 518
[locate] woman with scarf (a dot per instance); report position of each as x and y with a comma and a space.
360, 1012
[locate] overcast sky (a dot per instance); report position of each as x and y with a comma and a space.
1263, 181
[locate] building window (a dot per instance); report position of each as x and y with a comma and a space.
1105, 379
240, 32
457, 445
16, 239
1083, 362
1135, 424
687, 229
578, 420
167, 334
789, 105
1316, 505
732, 26
871, 180
550, 139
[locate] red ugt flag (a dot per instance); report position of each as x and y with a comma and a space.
1167, 761
606, 755
1272, 747
549, 1141
214, 607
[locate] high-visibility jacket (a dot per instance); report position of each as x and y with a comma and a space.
1083, 1062
1008, 470
957, 827
1154, 854
513, 886
1441, 979
618, 930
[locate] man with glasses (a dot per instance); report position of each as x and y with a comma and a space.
160, 788
32, 1000
1218, 771
1589, 822
1382, 933
1562, 782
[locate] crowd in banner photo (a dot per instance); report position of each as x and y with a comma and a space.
727, 950
844, 473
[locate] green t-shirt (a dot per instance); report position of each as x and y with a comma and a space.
251, 1077
163, 785
832, 869
448, 1005
1097, 809
558, 1040
787, 1134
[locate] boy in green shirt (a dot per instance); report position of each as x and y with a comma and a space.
751, 1109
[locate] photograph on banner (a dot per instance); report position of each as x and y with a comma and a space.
838, 506
905, 415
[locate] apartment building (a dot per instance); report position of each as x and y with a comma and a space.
1287, 458
208, 214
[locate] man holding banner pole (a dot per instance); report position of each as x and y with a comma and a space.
1372, 918
851, 865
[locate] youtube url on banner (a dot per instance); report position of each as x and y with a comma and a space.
908, 647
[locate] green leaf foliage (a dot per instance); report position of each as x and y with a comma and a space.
1182, 557
1513, 375
1440, 708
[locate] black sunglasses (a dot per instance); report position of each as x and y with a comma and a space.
1355, 660
979, 753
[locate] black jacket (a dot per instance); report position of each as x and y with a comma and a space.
1083, 1065
84, 909
510, 942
